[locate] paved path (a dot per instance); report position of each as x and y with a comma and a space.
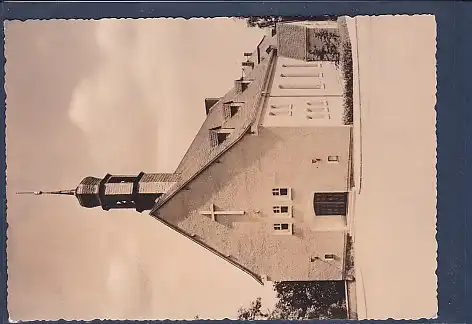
395, 151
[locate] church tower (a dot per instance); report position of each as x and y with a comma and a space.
119, 191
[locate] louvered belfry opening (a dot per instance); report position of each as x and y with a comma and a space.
125, 191
330, 203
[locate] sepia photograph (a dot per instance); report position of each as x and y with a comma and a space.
250, 168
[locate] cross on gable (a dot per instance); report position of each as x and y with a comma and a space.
213, 213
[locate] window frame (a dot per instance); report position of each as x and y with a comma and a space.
279, 110
318, 86
329, 257
333, 161
277, 211
276, 193
329, 203
277, 228
214, 132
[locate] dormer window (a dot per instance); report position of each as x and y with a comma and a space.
241, 85
230, 109
219, 135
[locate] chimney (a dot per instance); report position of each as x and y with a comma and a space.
248, 64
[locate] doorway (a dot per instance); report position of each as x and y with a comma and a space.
330, 203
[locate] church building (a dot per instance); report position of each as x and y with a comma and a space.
265, 183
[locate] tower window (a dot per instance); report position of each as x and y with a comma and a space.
121, 179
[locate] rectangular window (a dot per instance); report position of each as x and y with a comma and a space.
292, 86
316, 110
317, 103
333, 158
285, 193
282, 228
281, 110
302, 75
284, 106
316, 65
317, 106
330, 257
316, 116
282, 210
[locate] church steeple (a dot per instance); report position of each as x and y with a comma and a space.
119, 191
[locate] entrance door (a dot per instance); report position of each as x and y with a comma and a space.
330, 203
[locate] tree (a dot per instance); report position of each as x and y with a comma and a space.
254, 312
327, 47
299, 300
269, 21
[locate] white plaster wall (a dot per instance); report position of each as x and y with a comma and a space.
326, 103
243, 180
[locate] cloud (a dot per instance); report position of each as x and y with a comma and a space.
143, 106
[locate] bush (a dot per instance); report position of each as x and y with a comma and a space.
349, 262
347, 71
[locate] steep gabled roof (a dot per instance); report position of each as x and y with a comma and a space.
201, 153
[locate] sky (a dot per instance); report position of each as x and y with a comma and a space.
112, 96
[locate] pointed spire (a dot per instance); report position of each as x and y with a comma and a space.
38, 193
